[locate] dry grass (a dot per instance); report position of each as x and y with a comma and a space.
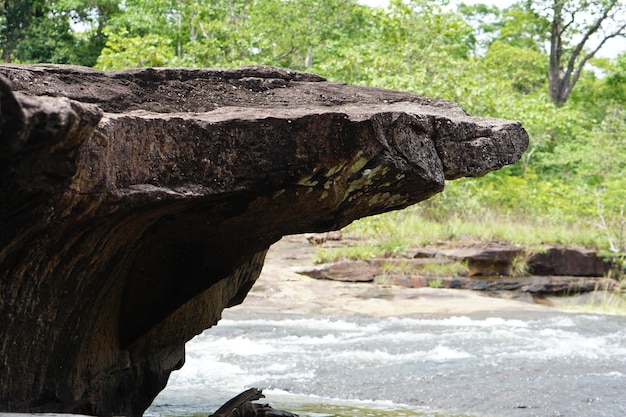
395, 233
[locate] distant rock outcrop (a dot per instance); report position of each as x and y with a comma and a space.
499, 259
135, 206
481, 266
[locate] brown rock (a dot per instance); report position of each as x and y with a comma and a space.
561, 260
320, 238
135, 206
494, 258
562, 285
535, 285
484, 259
348, 271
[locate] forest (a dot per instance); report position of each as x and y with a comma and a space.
542, 62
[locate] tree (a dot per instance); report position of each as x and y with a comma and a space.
296, 34
516, 26
144, 34
17, 16
413, 45
91, 16
578, 30
301, 34
44, 31
569, 32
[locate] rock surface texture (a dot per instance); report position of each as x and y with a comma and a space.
135, 206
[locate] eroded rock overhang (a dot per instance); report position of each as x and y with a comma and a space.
137, 205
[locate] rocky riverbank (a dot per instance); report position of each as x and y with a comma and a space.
290, 282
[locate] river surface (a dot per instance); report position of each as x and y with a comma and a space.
518, 364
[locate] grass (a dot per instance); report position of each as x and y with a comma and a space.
446, 269
397, 268
435, 271
431, 269
352, 253
435, 283
414, 227
519, 265
601, 302
396, 233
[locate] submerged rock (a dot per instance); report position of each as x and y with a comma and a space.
135, 206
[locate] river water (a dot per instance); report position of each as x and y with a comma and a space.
517, 364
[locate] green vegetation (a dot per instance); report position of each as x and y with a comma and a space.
42, 30
519, 266
429, 269
435, 283
365, 251
396, 233
598, 302
526, 62
446, 269
433, 271
613, 303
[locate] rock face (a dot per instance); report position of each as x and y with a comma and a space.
135, 206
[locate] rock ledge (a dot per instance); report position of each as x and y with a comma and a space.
135, 206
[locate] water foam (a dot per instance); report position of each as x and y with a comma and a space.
399, 359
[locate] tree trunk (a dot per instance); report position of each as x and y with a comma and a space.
308, 61
606, 24
557, 80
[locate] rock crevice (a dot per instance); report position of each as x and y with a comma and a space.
135, 206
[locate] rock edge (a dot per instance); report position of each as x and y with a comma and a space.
135, 206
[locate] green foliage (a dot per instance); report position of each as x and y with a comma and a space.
364, 251
46, 31
435, 283
46, 40
444, 269
295, 34
524, 67
519, 265
523, 27
122, 51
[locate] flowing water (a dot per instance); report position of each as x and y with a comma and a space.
516, 364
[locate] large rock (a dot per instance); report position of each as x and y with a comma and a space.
499, 259
135, 206
561, 260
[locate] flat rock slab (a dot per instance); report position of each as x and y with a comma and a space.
135, 206
349, 271
535, 285
496, 258
409, 273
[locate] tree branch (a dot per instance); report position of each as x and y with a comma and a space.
591, 54
571, 65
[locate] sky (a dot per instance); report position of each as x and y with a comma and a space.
611, 49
